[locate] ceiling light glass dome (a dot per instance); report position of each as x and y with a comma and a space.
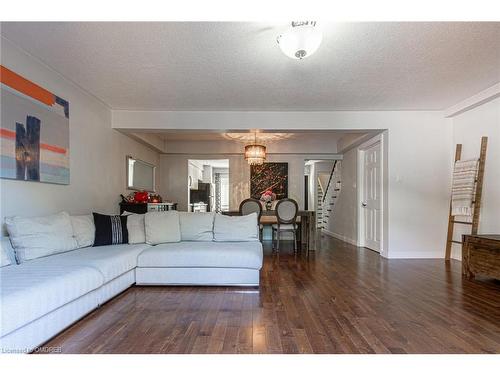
301, 39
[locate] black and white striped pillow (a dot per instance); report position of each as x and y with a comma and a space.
110, 230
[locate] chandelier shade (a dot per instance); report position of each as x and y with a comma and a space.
255, 154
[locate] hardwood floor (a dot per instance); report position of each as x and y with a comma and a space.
342, 299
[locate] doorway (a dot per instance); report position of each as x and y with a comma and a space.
208, 185
370, 194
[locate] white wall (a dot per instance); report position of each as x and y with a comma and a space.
468, 128
97, 152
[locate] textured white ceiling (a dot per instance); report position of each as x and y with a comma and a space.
238, 66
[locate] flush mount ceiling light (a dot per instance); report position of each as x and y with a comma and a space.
301, 39
255, 154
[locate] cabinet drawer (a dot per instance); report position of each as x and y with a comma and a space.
485, 261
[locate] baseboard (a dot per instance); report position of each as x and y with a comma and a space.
416, 255
456, 254
340, 237
405, 255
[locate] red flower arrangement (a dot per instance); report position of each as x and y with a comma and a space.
268, 196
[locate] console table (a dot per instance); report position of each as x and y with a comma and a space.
481, 255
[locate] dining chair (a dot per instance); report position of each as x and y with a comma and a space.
251, 205
286, 212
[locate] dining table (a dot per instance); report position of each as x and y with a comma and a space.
306, 221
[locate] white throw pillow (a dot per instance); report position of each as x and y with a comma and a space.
83, 230
5, 259
236, 228
197, 226
36, 237
162, 227
135, 227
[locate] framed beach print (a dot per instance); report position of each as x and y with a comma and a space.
34, 131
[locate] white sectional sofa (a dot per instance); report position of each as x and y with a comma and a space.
41, 297
200, 263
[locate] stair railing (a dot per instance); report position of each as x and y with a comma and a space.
329, 180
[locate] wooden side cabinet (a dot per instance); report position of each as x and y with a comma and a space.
142, 208
481, 255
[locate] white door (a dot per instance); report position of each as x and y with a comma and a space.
371, 197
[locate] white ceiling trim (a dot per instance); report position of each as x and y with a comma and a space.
234, 121
484, 96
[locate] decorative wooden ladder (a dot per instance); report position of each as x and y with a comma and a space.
476, 202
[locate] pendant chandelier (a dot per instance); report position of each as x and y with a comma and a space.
255, 154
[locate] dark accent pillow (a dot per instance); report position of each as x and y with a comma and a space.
110, 230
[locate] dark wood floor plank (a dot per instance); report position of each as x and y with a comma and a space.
340, 299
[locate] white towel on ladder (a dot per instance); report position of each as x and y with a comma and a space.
463, 187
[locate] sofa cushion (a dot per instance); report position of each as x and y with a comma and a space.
236, 228
162, 227
135, 227
83, 230
31, 290
110, 229
204, 254
5, 247
111, 261
197, 226
36, 237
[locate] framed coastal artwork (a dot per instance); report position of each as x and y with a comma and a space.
269, 176
34, 131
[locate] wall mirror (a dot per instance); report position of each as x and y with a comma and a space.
140, 175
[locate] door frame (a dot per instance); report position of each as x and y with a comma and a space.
383, 190
306, 192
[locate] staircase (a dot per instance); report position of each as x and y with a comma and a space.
328, 197
319, 205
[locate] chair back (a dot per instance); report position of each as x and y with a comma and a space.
286, 211
249, 206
